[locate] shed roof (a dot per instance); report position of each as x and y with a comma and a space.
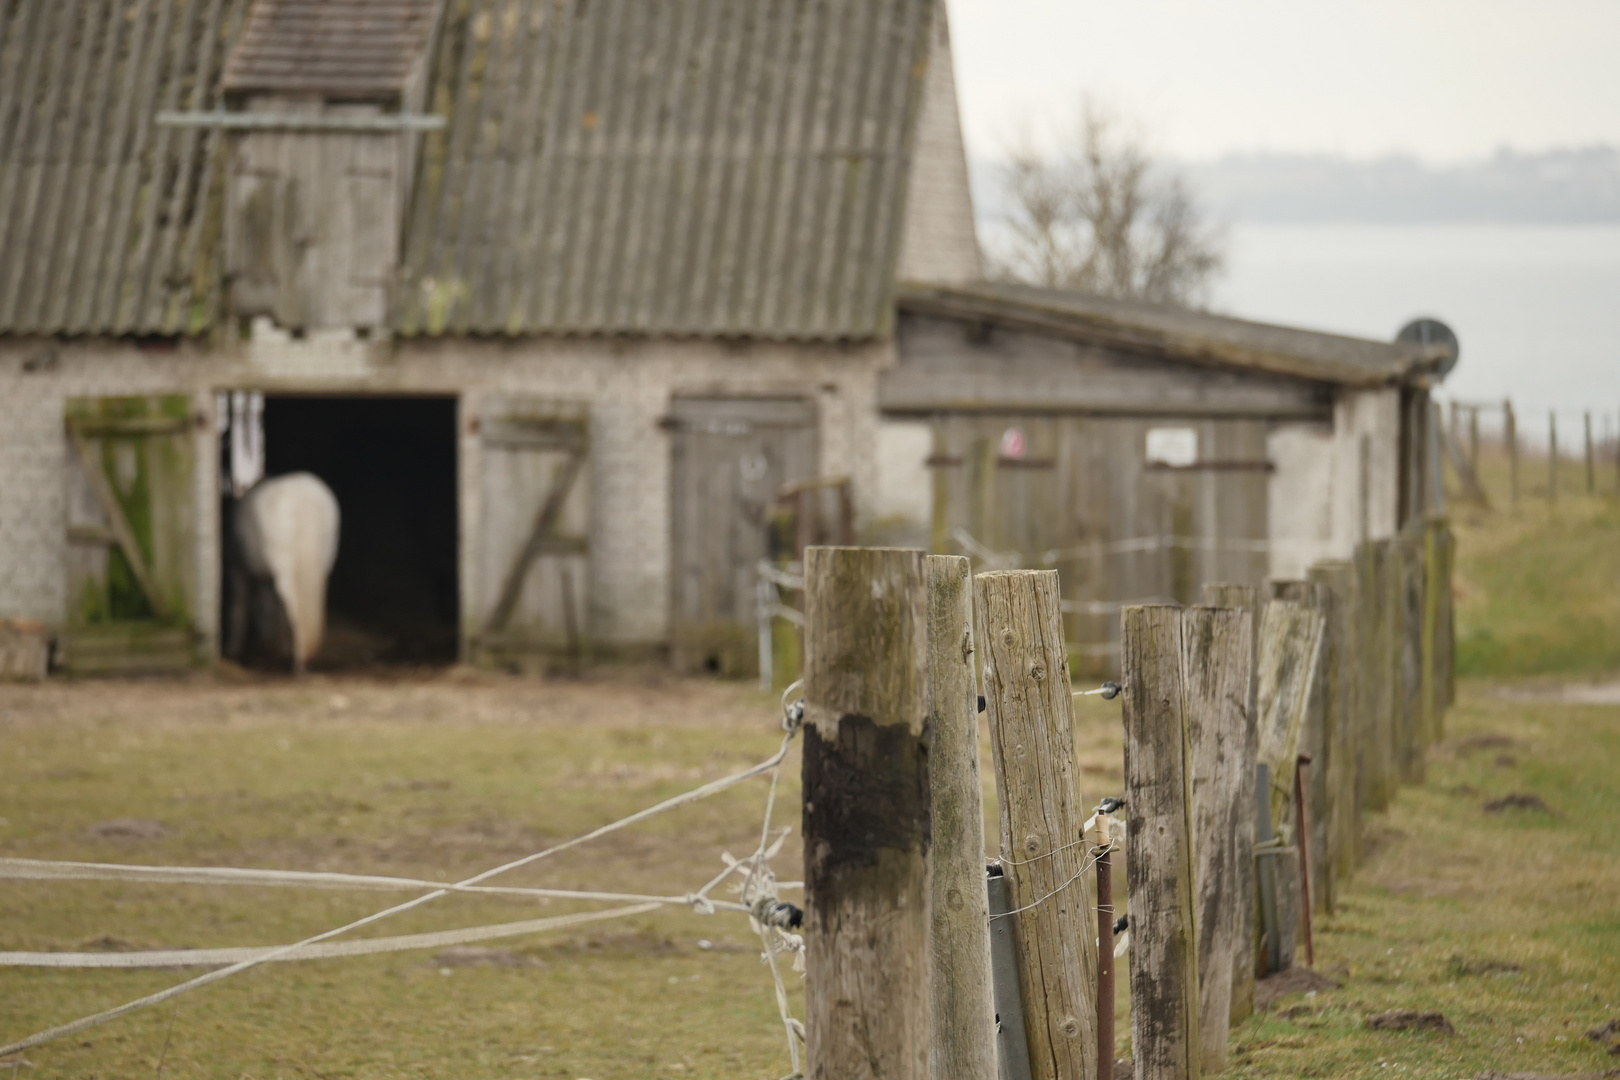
687, 167
1176, 332
336, 48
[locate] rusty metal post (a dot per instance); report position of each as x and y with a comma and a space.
1105, 952
1301, 838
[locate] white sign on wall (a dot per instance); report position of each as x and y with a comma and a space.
1173, 446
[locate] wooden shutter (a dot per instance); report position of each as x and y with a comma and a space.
534, 548
131, 538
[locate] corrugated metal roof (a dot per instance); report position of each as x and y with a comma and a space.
703, 167
344, 49
108, 223
1179, 333
673, 167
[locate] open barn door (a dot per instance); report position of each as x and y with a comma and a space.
534, 551
131, 534
732, 456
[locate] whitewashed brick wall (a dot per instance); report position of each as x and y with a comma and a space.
628, 385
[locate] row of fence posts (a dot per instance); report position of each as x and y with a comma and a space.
1260, 729
1461, 445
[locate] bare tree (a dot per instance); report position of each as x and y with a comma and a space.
1097, 215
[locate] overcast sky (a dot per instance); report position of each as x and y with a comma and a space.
1447, 80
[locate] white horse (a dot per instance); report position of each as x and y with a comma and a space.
287, 531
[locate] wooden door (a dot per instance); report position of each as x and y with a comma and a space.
533, 604
131, 534
730, 457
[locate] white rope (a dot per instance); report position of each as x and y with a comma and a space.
1084, 866
711, 788
169, 958
759, 892
53, 870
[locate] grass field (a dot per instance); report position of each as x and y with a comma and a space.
1508, 922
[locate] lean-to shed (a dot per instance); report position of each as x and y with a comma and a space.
1143, 450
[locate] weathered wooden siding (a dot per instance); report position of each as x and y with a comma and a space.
729, 457
312, 223
1084, 500
950, 364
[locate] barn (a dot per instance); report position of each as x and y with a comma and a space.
1144, 450
554, 295
559, 297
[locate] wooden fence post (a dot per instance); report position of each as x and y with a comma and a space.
1217, 646
1376, 678
1290, 659
1246, 597
1510, 425
1339, 770
1315, 736
963, 1018
1412, 742
1552, 457
1159, 848
1591, 460
1026, 687
866, 814
1447, 633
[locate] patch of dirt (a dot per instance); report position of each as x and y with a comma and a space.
1461, 966
1506, 761
416, 785
1464, 747
633, 943
1607, 1036
108, 943
1409, 1020
1518, 800
127, 828
483, 956
1574, 693
1296, 980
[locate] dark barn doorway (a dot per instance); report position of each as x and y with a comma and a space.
392, 597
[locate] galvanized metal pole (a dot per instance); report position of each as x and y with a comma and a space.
1012, 1044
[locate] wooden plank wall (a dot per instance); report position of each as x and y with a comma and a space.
1084, 480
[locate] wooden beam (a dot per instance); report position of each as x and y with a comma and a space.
962, 1043
1019, 620
866, 814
